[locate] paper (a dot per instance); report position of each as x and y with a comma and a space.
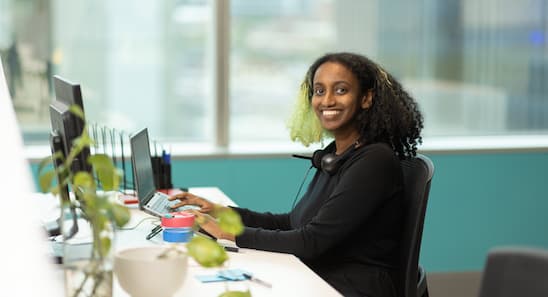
224, 276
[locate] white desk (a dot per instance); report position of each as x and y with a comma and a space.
287, 274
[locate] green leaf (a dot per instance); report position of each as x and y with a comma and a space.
75, 109
88, 202
120, 214
206, 252
43, 163
84, 180
57, 156
79, 144
104, 245
230, 221
45, 180
106, 172
55, 190
236, 294
82, 141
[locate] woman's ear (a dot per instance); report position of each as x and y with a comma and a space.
367, 99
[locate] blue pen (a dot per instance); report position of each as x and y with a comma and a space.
256, 280
166, 157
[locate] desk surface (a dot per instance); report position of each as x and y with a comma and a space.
287, 274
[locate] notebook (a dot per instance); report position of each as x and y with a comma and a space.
150, 200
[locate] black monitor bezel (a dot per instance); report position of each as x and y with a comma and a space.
67, 94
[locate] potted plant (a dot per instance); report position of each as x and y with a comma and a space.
97, 206
101, 210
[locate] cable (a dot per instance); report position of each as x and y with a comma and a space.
141, 221
300, 187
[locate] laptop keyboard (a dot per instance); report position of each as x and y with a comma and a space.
161, 203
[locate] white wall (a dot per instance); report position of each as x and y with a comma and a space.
25, 269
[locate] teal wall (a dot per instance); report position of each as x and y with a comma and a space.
477, 201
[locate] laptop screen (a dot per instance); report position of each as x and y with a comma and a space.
142, 166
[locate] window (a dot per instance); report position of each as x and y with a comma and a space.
140, 64
475, 67
272, 45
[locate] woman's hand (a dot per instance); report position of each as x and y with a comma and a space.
186, 198
209, 224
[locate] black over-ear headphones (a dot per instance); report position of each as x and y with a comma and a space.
328, 161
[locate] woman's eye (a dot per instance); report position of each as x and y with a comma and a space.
340, 91
318, 92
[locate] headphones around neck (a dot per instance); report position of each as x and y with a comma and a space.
327, 161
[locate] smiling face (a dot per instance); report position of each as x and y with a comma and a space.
335, 98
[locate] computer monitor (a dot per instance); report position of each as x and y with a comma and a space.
65, 128
65, 125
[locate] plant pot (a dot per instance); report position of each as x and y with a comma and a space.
88, 278
87, 264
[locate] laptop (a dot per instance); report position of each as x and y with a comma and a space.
150, 200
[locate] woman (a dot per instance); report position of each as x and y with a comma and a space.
347, 226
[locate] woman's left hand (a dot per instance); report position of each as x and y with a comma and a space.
210, 225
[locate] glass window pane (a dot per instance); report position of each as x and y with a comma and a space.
272, 45
140, 63
475, 67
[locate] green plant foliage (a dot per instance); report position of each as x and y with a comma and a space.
230, 221
84, 180
206, 252
75, 109
45, 181
120, 214
106, 172
98, 207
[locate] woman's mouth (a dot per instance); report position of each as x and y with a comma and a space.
330, 113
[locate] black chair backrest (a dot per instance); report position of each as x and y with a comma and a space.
417, 176
515, 271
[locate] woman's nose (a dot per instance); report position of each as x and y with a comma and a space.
328, 99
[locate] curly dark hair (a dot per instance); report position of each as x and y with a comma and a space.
393, 118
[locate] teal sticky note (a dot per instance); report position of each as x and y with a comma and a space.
233, 274
223, 276
210, 278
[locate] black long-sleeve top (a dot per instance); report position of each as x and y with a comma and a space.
346, 227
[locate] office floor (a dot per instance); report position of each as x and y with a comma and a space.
454, 284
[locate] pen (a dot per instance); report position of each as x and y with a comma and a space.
254, 279
154, 231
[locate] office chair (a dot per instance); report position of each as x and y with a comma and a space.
417, 177
515, 271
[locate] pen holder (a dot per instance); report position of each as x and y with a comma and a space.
157, 171
161, 167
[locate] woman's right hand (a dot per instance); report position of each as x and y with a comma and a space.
186, 198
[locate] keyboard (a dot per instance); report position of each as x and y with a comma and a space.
161, 204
